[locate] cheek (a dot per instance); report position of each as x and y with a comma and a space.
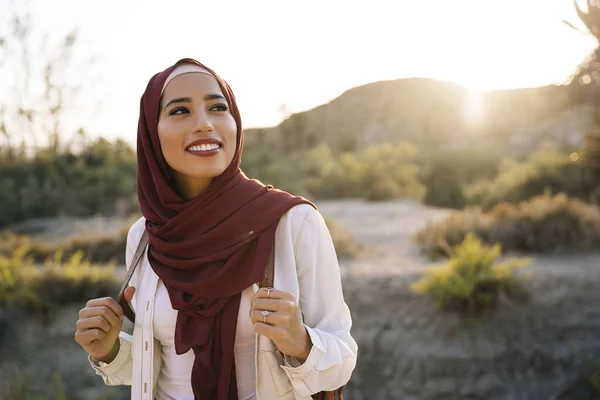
230, 133
170, 141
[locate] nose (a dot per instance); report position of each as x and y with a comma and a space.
202, 122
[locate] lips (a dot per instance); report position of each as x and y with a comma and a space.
205, 144
204, 147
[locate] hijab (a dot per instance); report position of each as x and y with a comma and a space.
208, 249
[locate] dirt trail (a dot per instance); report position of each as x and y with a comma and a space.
385, 229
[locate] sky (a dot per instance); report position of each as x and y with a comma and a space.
288, 56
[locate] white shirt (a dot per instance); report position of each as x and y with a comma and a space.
174, 381
306, 266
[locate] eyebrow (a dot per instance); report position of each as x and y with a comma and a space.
208, 97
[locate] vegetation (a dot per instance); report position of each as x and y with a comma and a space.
378, 172
46, 288
100, 179
345, 245
470, 282
446, 174
586, 80
545, 223
97, 248
545, 170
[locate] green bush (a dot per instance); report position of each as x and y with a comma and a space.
377, 172
447, 173
47, 288
546, 170
545, 223
470, 281
97, 248
99, 179
270, 167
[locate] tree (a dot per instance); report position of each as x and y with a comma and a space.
37, 83
586, 79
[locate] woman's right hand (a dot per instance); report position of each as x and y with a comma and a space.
99, 325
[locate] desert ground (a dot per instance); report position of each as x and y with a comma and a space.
407, 348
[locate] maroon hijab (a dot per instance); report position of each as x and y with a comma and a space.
207, 250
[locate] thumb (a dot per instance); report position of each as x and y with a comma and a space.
129, 292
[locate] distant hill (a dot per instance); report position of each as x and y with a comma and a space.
433, 113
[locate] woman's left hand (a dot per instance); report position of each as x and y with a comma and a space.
282, 324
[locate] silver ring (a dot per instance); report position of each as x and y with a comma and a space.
265, 314
269, 292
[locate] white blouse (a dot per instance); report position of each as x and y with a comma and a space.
174, 380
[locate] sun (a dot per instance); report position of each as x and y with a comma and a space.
474, 107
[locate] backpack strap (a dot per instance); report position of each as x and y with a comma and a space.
269, 278
139, 253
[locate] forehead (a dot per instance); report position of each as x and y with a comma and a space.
191, 84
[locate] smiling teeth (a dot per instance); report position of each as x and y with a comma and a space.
204, 147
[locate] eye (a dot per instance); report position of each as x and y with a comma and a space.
219, 107
179, 111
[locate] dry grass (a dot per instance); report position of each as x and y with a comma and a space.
345, 245
544, 223
97, 247
57, 283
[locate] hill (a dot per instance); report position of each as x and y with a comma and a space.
432, 113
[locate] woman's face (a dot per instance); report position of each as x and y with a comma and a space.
196, 130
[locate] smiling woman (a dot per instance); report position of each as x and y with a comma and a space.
203, 328
195, 121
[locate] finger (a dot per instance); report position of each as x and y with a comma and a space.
265, 304
272, 332
273, 294
106, 302
102, 311
271, 319
128, 293
93, 322
88, 336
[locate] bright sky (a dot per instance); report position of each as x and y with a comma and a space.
306, 53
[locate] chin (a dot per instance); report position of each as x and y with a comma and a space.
205, 173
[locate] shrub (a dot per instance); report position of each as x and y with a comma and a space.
272, 168
97, 248
446, 173
49, 287
345, 244
546, 223
98, 179
546, 170
470, 282
377, 172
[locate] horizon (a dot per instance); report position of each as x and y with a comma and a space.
336, 46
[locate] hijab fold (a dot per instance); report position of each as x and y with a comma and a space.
209, 249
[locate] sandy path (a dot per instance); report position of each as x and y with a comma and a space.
385, 229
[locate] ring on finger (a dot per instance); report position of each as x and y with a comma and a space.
269, 290
265, 314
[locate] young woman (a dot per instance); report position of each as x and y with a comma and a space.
203, 329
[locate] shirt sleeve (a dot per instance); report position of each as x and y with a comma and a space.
327, 318
119, 371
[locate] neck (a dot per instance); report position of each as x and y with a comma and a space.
190, 188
